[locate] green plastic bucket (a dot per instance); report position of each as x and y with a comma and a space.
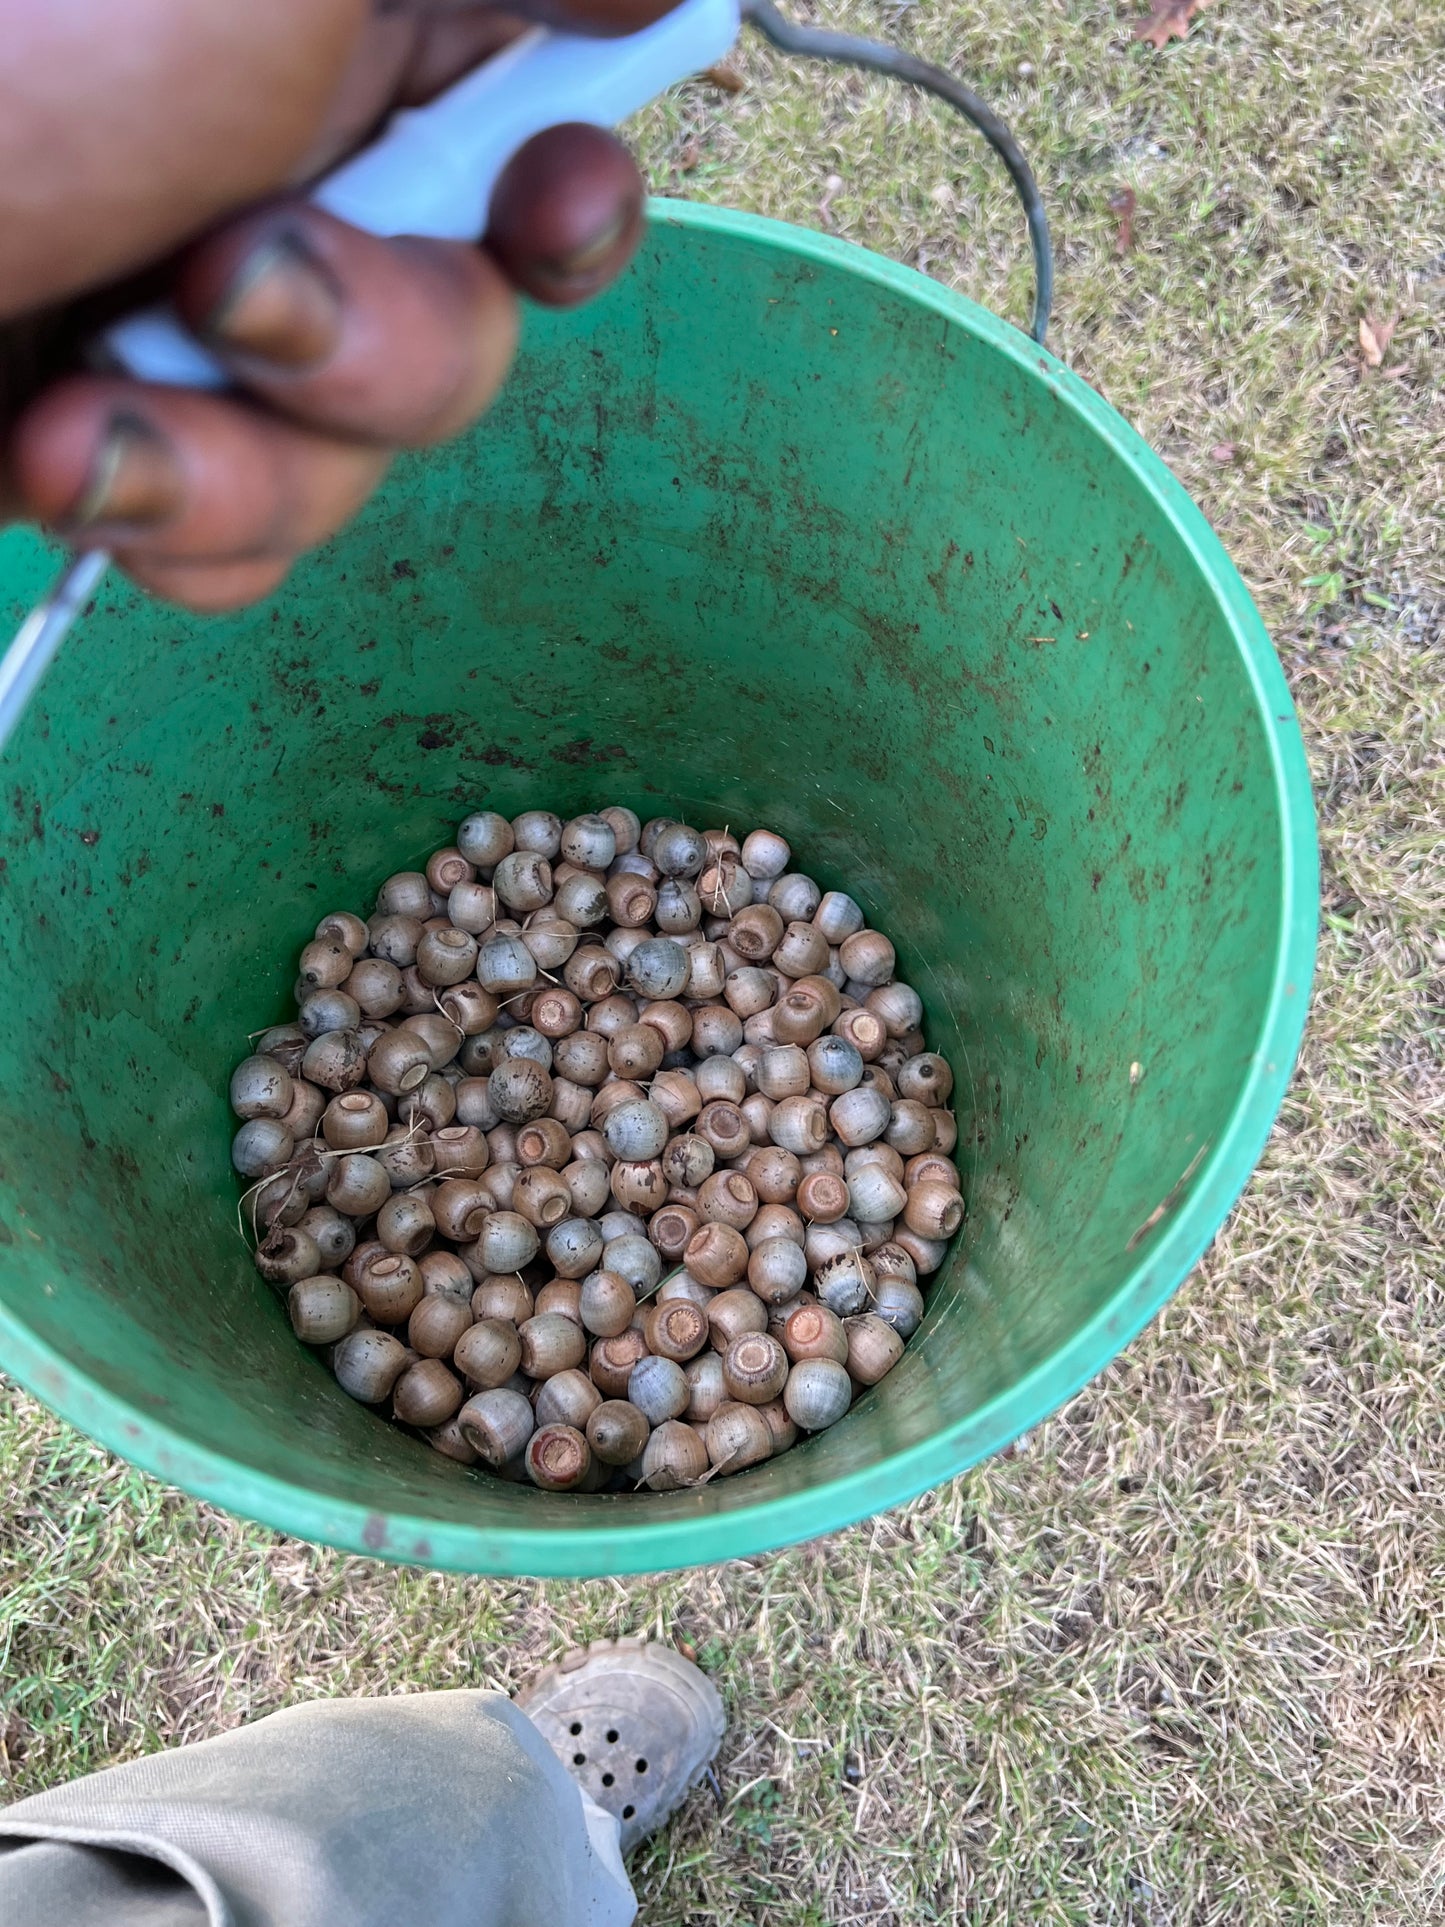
778, 532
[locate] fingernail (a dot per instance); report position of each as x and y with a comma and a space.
134, 478
282, 306
593, 253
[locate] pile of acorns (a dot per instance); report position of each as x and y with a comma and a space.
569, 1059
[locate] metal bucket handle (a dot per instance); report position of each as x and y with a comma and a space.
851, 50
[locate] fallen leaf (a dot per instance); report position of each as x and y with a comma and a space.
1375, 338
725, 76
688, 159
1168, 20
1222, 453
833, 185
1123, 204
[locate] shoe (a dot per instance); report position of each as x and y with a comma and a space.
633, 1722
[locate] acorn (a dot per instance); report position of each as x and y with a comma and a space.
738, 1436
405, 1157
868, 957
436, 1323
562, 1295
616, 1432
399, 1062
588, 1187
488, 1353
262, 1146
677, 1329
717, 1255
335, 1235
845, 1282
605, 1303
368, 1363
355, 1121
874, 1348
390, 1288
611, 1361
755, 1368
802, 951
506, 1242
673, 1457
344, 928
727, 1197
823, 1197
394, 939
574, 1247
658, 1387
260, 1087
777, 1270
898, 1303
733, 1313
550, 1344
804, 1011
546, 1140
639, 1187
450, 1441
321, 1011
357, 1186
506, 1299
933, 1211
305, 1112
631, 1257
406, 894
800, 1125
817, 1394
496, 1424
671, 1229
688, 1160
706, 1387
523, 881
765, 855
716, 1031
635, 1130
520, 1089
812, 1331
874, 1195
864, 1030
784, 1431
911, 1128
485, 838
541, 1197
459, 1151
567, 1398
859, 1116
723, 1126
405, 1223
286, 1255
322, 1309
927, 1253
426, 1394
776, 1221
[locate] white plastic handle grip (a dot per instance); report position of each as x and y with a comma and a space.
434, 168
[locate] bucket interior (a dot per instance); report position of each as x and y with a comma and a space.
776, 534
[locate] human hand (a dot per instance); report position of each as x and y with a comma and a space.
128, 127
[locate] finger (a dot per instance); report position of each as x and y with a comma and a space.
207, 587
400, 342
169, 476
127, 125
567, 214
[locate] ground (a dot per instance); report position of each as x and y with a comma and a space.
1176, 1658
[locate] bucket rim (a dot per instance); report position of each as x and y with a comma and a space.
1168, 1252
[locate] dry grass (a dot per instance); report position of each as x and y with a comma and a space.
1175, 1659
